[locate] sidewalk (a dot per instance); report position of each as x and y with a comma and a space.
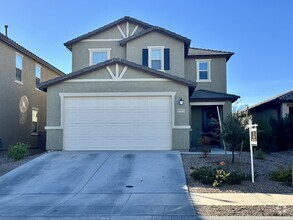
249, 199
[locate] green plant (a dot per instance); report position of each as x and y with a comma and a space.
264, 134
259, 154
216, 176
18, 151
283, 175
203, 174
283, 133
220, 176
236, 177
233, 133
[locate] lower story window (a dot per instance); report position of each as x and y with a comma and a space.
34, 121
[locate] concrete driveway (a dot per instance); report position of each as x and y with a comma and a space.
98, 185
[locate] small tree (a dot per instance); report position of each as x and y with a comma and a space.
233, 133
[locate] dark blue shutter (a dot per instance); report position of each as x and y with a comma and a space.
145, 57
166, 59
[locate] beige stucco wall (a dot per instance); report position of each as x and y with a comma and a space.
134, 50
218, 74
54, 137
15, 126
80, 52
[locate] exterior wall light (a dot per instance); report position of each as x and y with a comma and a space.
181, 101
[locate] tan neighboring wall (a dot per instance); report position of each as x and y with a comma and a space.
14, 125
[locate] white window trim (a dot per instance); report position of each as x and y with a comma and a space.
92, 50
150, 48
40, 75
209, 70
17, 81
35, 133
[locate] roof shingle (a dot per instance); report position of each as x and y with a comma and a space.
206, 95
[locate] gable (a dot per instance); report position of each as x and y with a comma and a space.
117, 74
117, 32
121, 28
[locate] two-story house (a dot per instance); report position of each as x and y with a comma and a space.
135, 86
23, 105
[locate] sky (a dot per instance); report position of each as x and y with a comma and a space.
259, 32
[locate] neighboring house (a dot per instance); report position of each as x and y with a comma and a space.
276, 108
135, 86
23, 105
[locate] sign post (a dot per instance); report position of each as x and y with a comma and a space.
253, 142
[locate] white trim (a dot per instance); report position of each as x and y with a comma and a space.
132, 33
117, 70
92, 50
181, 127
127, 29
100, 40
206, 103
122, 33
197, 70
123, 71
110, 72
116, 80
150, 48
18, 82
53, 127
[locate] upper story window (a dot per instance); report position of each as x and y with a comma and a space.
18, 74
203, 71
38, 74
156, 57
99, 55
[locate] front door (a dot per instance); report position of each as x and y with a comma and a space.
210, 125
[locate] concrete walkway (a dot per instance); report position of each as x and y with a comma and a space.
241, 199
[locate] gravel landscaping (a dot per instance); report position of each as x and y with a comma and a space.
7, 164
262, 183
262, 167
268, 210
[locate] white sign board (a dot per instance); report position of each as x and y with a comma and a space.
253, 142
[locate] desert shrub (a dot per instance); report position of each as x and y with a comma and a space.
233, 133
283, 175
259, 154
264, 135
217, 176
236, 177
18, 151
203, 174
283, 133
220, 176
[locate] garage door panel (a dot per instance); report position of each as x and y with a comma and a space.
117, 123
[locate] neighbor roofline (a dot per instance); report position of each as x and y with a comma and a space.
28, 53
43, 86
69, 43
269, 101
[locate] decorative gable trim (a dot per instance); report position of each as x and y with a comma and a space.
160, 75
134, 21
